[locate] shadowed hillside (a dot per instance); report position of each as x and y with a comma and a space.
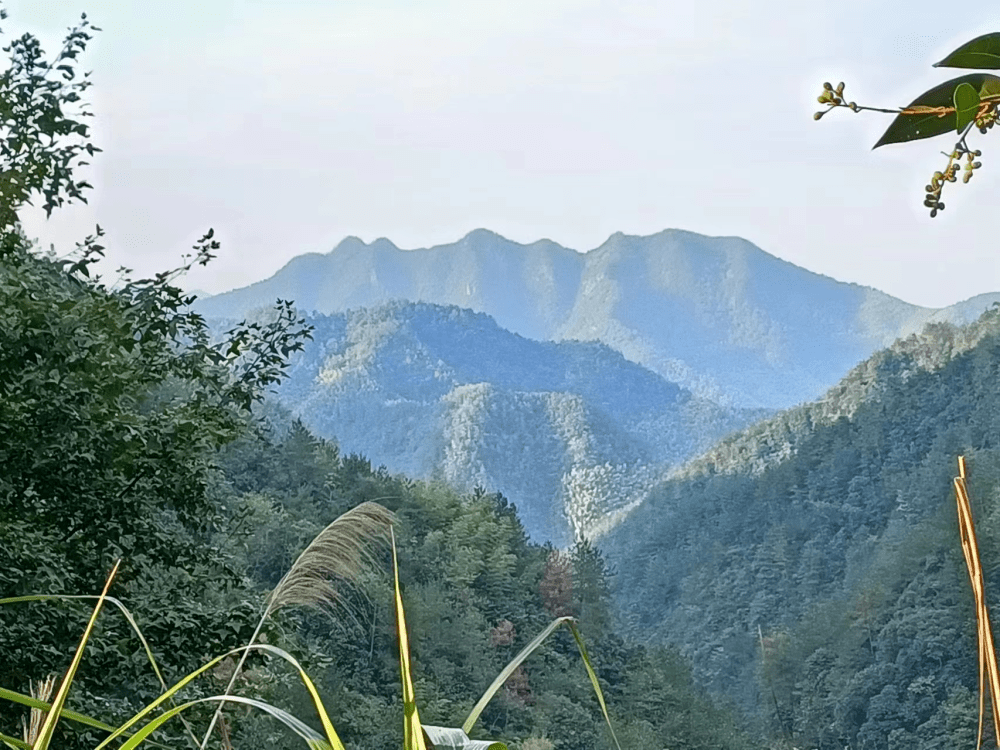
571, 432
810, 565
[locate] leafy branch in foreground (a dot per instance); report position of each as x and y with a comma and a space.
961, 104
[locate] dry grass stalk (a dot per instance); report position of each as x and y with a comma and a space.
343, 552
987, 651
33, 725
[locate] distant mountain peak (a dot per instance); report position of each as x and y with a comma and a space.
351, 242
480, 235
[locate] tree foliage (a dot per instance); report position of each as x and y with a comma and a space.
476, 591
113, 403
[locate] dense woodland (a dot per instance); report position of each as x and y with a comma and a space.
811, 567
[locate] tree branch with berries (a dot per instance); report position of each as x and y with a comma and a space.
959, 105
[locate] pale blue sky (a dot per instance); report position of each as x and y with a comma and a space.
290, 125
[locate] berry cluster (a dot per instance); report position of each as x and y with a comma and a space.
932, 199
833, 97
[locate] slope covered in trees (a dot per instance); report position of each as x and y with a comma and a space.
569, 431
476, 591
810, 566
114, 406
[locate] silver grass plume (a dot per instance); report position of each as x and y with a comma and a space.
33, 725
344, 551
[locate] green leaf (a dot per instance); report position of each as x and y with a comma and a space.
332, 741
982, 52
413, 735
507, 671
966, 100
593, 680
48, 727
928, 124
27, 700
442, 738
311, 737
990, 88
124, 610
14, 742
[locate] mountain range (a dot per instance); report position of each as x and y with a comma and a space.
718, 316
806, 561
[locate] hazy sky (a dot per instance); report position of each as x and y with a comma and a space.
287, 125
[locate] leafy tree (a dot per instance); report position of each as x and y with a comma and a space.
113, 403
963, 103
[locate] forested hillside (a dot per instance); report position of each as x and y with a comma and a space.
569, 431
810, 566
476, 591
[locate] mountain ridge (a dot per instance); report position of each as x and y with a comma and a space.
718, 315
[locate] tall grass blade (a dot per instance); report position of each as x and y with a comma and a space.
31, 702
443, 738
507, 671
14, 742
988, 671
311, 737
129, 618
49, 725
331, 741
343, 551
593, 680
109, 599
537, 641
413, 735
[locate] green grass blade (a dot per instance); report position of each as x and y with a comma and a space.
593, 680
127, 615
331, 734
123, 729
332, 741
48, 727
443, 738
312, 738
413, 735
14, 742
124, 610
508, 671
27, 700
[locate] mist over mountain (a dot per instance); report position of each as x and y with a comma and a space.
570, 432
718, 316
810, 565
